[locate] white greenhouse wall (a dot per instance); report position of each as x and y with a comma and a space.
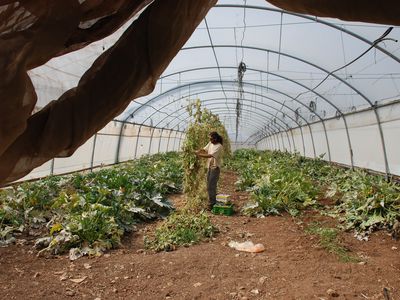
364, 135
102, 149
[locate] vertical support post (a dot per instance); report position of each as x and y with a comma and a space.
327, 142
312, 140
137, 141
93, 151
159, 141
180, 141
383, 144
151, 139
277, 140
173, 146
119, 142
169, 136
302, 139
283, 141
349, 142
52, 167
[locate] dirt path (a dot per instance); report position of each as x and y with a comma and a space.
292, 267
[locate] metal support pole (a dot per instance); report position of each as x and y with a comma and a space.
137, 140
159, 141
349, 143
119, 142
383, 143
283, 141
277, 140
294, 143
302, 139
169, 136
151, 139
327, 142
180, 141
93, 152
312, 140
173, 146
52, 167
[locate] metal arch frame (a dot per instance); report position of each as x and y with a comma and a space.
290, 56
258, 114
318, 20
261, 117
383, 144
246, 83
263, 96
275, 135
314, 19
286, 78
379, 124
315, 66
342, 30
303, 61
261, 103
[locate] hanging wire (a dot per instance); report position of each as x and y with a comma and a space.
236, 44
244, 28
239, 99
267, 69
280, 41
240, 74
216, 61
382, 38
344, 61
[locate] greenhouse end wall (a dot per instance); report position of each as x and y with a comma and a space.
360, 145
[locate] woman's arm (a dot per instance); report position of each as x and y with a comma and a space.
202, 153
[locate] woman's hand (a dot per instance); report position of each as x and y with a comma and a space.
199, 151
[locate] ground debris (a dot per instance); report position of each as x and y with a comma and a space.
78, 280
332, 293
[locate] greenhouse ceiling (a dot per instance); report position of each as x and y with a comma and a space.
263, 69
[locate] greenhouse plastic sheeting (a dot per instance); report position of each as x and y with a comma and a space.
101, 149
364, 134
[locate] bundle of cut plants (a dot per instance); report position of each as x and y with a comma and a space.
197, 136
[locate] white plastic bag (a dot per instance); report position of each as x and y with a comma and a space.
247, 246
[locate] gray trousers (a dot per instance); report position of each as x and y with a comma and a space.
212, 180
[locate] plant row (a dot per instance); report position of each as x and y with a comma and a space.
281, 182
89, 213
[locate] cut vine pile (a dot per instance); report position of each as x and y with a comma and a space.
197, 137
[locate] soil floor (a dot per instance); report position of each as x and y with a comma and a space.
293, 265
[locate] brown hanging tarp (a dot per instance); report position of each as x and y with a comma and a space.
371, 11
34, 31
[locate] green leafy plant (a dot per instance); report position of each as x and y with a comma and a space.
289, 182
92, 210
276, 181
328, 239
181, 229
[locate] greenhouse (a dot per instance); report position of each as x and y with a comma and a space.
104, 106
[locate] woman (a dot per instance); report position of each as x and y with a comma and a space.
213, 151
